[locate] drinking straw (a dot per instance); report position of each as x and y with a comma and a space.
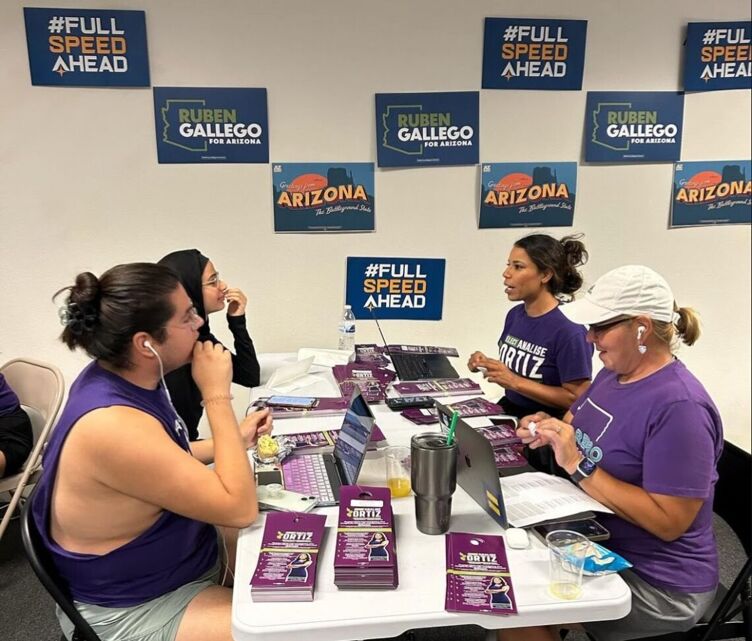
452, 427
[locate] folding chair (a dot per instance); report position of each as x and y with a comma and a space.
39, 388
730, 614
41, 562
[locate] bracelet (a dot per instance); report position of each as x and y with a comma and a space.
215, 399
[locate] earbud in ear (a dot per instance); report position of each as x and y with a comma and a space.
640, 331
148, 346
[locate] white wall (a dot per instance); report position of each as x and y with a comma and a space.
80, 187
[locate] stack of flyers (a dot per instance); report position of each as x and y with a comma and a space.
421, 415
477, 575
371, 355
503, 438
438, 387
365, 556
502, 432
476, 407
324, 441
371, 380
508, 456
286, 568
325, 406
469, 408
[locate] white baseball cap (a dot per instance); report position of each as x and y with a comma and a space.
630, 290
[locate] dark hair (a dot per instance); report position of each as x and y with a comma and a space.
101, 315
560, 257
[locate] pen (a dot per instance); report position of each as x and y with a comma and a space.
452, 427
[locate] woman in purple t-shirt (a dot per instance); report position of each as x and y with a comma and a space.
644, 440
544, 362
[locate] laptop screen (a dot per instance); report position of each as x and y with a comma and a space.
350, 449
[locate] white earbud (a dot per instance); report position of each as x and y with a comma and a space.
641, 348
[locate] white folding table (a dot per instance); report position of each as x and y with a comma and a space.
418, 602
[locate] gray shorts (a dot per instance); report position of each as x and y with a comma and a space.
155, 620
654, 611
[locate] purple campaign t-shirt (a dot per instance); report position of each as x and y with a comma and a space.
8, 399
548, 349
664, 434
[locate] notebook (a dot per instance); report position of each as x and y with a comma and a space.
322, 475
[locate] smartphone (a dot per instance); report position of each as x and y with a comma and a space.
285, 501
588, 527
268, 474
303, 402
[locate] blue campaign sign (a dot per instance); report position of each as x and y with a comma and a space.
200, 125
87, 48
633, 126
396, 288
527, 194
323, 196
718, 56
527, 53
415, 129
714, 192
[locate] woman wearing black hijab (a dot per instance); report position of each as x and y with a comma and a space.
209, 294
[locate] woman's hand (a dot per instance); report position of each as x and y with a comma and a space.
476, 358
254, 425
523, 427
560, 436
498, 373
211, 368
236, 301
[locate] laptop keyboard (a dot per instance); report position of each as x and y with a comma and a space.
307, 475
411, 368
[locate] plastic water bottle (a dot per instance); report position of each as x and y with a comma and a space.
347, 330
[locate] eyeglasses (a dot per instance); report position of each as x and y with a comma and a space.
601, 328
213, 281
192, 321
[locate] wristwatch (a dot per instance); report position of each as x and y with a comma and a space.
584, 469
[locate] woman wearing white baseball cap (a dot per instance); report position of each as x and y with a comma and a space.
644, 440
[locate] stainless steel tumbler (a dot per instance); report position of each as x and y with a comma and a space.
434, 479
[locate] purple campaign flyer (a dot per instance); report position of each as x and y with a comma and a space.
286, 568
371, 354
478, 578
371, 380
442, 387
366, 553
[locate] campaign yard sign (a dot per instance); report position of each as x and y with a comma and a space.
427, 129
87, 47
633, 126
530, 53
208, 125
527, 194
323, 196
396, 288
718, 56
711, 192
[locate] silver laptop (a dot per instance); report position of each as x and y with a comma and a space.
322, 475
476, 467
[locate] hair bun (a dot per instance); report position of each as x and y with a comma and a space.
80, 312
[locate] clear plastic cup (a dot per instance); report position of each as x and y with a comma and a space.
566, 558
397, 460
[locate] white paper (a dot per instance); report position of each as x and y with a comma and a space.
533, 497
288, 373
